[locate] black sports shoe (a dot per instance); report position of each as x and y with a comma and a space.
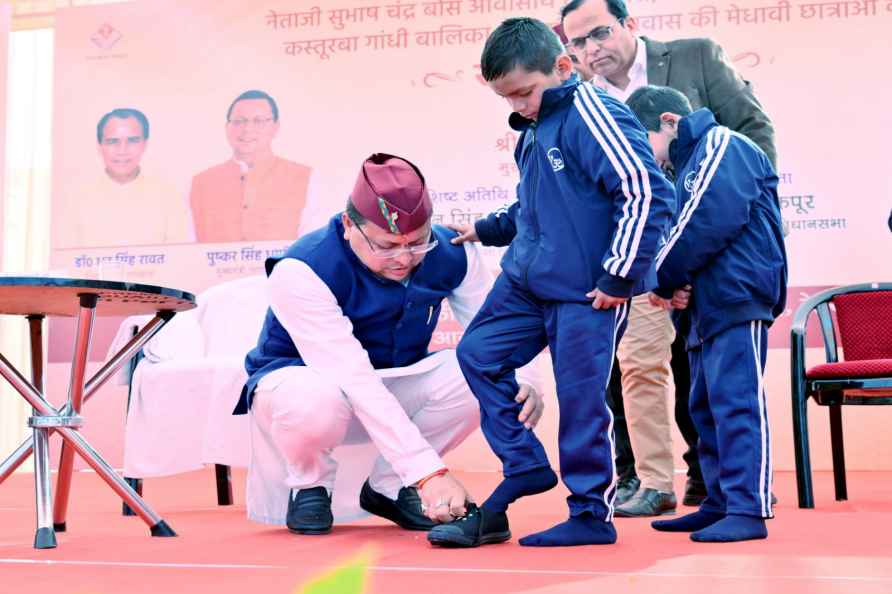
405, 512
309, 511
475, 528
626, 489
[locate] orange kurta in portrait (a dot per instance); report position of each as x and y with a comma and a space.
233, 203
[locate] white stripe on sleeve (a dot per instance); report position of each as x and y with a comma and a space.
627, 165
717, 142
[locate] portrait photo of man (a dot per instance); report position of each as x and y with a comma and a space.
255, 195
121, 204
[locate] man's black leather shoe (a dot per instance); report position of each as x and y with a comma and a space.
626, 489
404, 512
309, 511
475, 528
694, 493
647, 502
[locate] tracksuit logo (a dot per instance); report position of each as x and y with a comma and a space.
555, 158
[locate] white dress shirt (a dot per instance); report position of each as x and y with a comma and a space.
637, 76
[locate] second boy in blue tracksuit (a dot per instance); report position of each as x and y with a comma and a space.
728, 245
592, 209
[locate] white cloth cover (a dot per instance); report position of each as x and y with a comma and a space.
183, 392
179, 340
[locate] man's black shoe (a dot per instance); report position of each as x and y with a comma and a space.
475, 528
694, 493
309, 511
646, 503
404, 512
626, 489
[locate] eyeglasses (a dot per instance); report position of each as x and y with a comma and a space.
599, 35
390, 253
259, 123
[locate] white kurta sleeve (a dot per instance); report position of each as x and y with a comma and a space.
467, 299
310, 313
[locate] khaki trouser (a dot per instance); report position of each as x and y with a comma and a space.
644, 354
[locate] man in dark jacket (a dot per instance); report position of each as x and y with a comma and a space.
728, 245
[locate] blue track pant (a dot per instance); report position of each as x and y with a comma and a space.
729, 410
511, 328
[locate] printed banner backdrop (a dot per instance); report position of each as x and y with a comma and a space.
10, 431
5, 23
356, 77
363, 77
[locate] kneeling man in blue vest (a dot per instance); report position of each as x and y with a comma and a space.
342, 367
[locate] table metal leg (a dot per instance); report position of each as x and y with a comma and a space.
35, 325
75, 401
8, 466
158, 526
46, 536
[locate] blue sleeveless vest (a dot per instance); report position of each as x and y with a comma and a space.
393, 322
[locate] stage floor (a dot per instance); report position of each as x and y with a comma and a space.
837, 547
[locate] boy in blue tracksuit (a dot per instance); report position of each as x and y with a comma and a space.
728, 245
592, 208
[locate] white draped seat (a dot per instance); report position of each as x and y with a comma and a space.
184, 389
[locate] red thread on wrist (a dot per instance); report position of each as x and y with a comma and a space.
441, 472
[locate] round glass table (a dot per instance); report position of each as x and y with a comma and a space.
35, 298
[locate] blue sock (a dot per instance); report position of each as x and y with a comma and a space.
583, 529
733, 529
511, 488
689, 523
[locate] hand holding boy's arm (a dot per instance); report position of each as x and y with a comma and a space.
498, 228
466, 232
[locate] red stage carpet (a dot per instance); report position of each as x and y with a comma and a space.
837, 547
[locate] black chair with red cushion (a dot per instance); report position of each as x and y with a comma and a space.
863, 328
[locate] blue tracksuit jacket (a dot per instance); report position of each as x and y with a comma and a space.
592, 209
584, 217
728, 240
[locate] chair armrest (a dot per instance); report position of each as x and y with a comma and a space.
819, 302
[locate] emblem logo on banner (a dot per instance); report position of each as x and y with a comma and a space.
555, 158
106, 37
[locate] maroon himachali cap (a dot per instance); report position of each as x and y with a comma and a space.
390, 192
